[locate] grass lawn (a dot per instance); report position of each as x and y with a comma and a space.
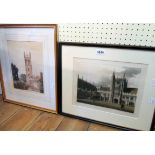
107, 105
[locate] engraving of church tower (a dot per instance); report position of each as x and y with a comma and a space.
28, 66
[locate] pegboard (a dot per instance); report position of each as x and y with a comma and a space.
135, 34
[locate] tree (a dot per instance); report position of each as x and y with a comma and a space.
23, 77
14, 72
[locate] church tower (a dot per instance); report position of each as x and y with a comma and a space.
28, 66
113, 87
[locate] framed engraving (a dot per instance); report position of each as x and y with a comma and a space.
28, 65
108, 84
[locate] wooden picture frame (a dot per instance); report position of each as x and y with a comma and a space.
35, 68
76, 58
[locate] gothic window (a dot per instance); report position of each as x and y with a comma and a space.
115, 100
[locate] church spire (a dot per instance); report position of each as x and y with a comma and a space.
28, 65
124, 76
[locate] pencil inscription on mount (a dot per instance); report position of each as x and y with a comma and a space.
107, 84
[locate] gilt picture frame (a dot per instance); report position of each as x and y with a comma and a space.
107, 84
28, 56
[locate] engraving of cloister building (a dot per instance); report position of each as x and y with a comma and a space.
116, 96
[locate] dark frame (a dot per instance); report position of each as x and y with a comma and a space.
54, 26
59, 75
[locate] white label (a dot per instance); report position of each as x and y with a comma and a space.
153, 82
100, 52
152, 100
